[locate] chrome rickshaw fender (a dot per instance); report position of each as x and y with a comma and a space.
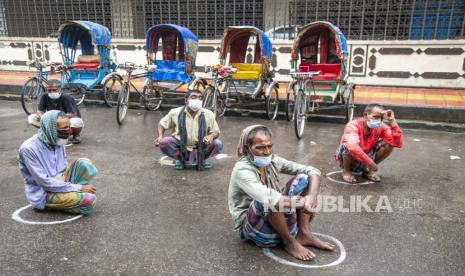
348, 89
111, 75
270, 88
147, 82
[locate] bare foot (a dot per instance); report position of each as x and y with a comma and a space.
348, 177
298, 251
312, 240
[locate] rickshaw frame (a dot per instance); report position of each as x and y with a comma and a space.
302, 98
265, 86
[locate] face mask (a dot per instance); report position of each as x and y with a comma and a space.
63, 134
374, 123
262, 161
195, 105
54, 95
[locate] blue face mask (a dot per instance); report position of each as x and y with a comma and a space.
262, 161
374, 123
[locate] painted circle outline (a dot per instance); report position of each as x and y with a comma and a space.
338, 243
328, 175
162, 159
15, 216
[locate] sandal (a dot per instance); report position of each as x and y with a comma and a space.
349, 178
371, 176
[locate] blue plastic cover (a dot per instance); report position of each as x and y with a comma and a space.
342, 39
170, 70
267, 47
185, 33
87, 32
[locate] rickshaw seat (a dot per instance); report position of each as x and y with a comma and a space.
248, 70
90, 62
327, 71
87, 65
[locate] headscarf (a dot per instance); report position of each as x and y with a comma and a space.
242, 146
271, 172
48, 127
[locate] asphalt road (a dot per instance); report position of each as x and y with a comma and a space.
151, 219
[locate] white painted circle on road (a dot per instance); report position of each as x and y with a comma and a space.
339, 244
165, 160
15, 216
328, 175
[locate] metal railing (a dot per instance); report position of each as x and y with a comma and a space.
358, 19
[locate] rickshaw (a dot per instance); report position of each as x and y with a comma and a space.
85, 48
164, 74
89, 71
319, 74
244, 76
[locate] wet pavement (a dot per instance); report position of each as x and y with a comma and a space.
151, 219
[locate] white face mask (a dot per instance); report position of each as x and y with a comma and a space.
54, 95
61, 142
195, 105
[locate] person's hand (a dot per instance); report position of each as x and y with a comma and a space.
310, 203
373, 167
156, 142
88, 189
208, 139
389, 115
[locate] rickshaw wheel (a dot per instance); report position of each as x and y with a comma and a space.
300, 113
111, 88
290, 107
213, 101
122, 104
152, 98
289, 102
350, 106
31, 93
272, 103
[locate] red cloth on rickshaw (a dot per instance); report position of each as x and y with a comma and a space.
86, 65
327, 71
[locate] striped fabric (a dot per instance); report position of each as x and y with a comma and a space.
81, 172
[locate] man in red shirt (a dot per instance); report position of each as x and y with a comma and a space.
367, 141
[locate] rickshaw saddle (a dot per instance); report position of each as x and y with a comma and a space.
248, 70
330, 72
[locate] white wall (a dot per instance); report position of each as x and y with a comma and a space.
398, 63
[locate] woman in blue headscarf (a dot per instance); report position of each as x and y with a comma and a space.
49, 182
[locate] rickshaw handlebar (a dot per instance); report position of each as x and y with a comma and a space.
305, 75
129, 66
54, 66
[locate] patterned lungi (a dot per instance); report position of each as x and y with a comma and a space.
357, 166
81, 172
172, 147
256, 226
